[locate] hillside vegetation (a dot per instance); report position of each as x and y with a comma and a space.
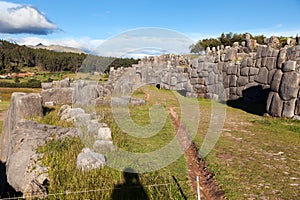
228, 39
14, 58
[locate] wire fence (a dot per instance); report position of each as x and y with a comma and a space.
88, 191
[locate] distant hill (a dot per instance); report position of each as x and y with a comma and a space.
13, 58
57, 48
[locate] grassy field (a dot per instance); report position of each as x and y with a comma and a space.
61, 158
4, 105
56, 76
255, 157
5, 93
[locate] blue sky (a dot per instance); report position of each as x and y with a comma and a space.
78, 23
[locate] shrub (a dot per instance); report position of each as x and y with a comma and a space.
32, 83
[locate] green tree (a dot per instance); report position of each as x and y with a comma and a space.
259, 38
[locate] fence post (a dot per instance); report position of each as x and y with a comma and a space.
198, 188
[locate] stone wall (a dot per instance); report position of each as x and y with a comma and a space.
80, 92
268, 75
283, 100
58, 92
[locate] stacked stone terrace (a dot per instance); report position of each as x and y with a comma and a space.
249, 71
256, 73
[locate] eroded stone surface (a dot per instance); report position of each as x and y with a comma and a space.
89, 160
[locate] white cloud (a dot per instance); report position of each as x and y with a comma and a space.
134, 43
138, 40
17, 18
84, 43
140, 53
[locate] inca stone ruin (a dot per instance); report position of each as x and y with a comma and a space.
268, 75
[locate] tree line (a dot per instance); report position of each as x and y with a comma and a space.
14, 57
228, 39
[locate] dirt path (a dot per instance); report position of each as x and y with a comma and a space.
196, 165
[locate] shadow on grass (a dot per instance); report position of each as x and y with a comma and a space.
131, 188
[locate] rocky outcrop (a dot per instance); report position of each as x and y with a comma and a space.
21, 106
24, 170
21, 138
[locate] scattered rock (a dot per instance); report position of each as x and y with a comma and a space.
92, 127
70, 114
104, 133
103, 146
120, 101
89, 160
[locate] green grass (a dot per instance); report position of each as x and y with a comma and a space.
5, 93
60, 157
255, 157
4, 105
51, 117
